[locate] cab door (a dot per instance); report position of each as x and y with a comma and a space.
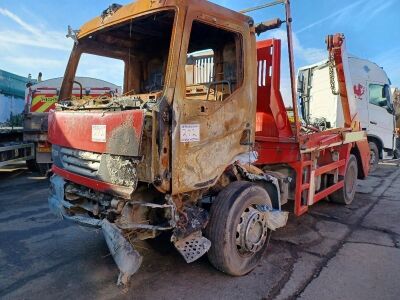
215, 99
380, 112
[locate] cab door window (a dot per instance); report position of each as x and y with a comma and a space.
214, 63
378, 95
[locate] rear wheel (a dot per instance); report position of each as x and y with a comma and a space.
374, 159
31, 165
237, 229
346, 194
43, 168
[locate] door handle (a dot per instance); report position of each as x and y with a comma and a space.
374, 123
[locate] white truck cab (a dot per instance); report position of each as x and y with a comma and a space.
370, 93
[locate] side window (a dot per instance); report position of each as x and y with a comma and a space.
214, 63
378, 95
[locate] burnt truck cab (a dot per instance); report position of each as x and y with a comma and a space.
142, 161
177, 150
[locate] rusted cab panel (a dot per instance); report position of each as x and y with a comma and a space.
207, 134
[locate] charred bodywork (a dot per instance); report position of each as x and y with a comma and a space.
159, 156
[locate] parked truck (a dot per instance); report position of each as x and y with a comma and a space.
41, 97
212, 164
370, 91
12, 147
396, 104
24, 107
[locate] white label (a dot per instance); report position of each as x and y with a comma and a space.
190, 133
99, 133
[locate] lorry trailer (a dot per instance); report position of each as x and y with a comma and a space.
369, 89
211, 162
12, 147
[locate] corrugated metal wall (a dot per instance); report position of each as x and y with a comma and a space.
12, 95
12, 84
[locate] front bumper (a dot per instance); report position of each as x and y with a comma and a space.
59, 206
125, 256
98, 185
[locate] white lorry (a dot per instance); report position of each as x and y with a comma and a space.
371, 95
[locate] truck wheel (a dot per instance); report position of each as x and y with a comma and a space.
346, 194
237, 229
31, 165
373, 148
43, 168
397, 149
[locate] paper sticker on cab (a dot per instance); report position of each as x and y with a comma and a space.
99, 133
190, 133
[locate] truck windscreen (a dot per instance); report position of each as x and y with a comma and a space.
142, 45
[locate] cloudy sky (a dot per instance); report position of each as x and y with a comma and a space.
32, 33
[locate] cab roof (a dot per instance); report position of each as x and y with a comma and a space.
116, 14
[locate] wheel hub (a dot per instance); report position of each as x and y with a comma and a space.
251, 231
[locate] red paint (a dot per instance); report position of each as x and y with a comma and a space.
272, 119
359, 90
276, 142
73, 129
93, 184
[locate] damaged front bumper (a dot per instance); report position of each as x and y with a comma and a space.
125, 256
117, 232
123, 220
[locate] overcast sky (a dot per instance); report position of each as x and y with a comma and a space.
32, 33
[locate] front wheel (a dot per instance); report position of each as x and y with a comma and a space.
237, 228
31, 165
374, 158
43, 168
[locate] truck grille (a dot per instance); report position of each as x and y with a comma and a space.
80, 162
115, 169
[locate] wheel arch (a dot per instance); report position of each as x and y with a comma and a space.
273, 193
267, 180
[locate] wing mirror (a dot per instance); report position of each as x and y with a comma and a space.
390, 109
383, 103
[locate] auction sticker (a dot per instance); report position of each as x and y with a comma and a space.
190, 133
99, 133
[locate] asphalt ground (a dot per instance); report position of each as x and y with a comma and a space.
332, 252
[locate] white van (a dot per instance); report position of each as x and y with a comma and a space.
370, 93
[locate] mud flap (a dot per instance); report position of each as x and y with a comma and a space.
127, 259
193, 246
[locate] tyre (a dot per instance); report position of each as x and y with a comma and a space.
237, 229
373, 148
346, 194
397, 149
43, 168
31, 165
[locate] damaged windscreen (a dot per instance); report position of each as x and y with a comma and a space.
133, 54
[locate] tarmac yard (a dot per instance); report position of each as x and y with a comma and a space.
333, 252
